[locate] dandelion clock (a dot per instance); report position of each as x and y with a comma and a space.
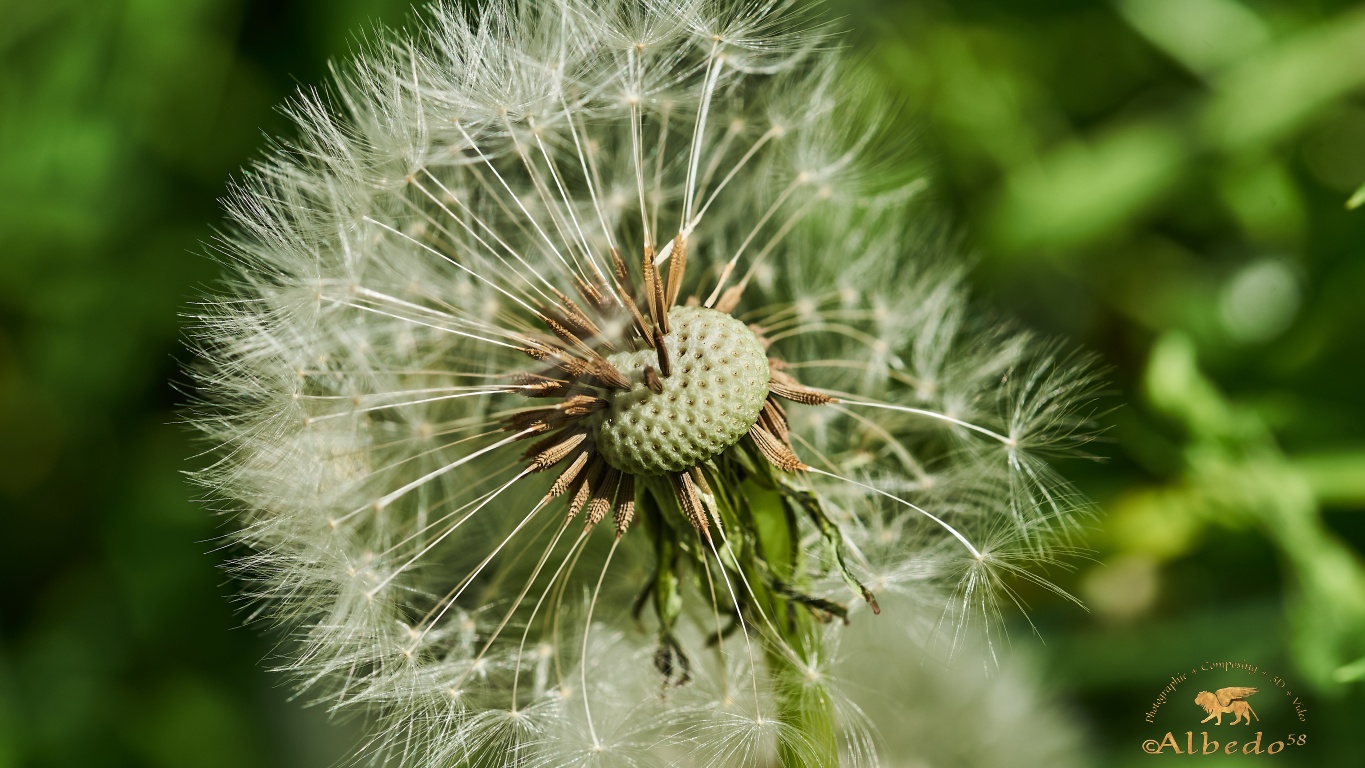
584, 385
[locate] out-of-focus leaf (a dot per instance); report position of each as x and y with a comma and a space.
1235, 474
1086, 189
1265, 198
1204, 35
1266, 97
1357, 199
1336, 477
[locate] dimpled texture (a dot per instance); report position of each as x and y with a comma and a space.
712, 396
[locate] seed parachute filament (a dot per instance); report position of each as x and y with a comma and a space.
657, 267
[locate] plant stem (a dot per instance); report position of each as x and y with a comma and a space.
806, 710
810, 737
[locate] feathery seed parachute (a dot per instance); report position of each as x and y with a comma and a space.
583, 381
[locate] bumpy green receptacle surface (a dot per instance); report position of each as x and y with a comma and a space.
715, 392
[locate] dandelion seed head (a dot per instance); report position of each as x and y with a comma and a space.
583, 377
713, 393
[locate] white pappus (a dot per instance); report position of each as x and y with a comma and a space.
582, 380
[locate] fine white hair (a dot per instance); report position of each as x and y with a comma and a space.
386, 266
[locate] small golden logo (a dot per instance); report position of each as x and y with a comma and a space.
1227, 701
1175, 734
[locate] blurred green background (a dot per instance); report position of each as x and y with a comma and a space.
1164, 182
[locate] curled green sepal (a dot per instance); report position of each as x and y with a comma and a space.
830, 534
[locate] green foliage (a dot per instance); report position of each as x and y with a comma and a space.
1164, 181
119, 123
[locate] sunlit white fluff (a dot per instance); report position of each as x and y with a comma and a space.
385, 269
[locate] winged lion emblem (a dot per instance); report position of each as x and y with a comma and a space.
1227, 701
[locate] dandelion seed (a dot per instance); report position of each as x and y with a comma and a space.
571, 341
